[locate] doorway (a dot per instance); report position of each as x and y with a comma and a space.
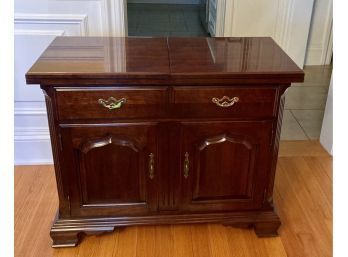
174, 18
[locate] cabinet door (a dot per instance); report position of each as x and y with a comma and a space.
224, 165
112, 169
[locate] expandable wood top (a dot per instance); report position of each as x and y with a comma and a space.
181, 60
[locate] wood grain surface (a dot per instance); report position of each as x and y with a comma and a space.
302, 195
180, 60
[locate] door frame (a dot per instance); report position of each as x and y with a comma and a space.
118, 25
329, 47
223, 13
119, 20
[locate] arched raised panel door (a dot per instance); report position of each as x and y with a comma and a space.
112, 169
224, 165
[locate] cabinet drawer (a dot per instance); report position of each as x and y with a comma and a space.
224, 102
114, 103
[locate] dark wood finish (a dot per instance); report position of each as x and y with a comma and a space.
227, 165
244, 57
169, 154
109, 169
97, 57
62, 184
196, 102
82, 103
267, 224
161, 60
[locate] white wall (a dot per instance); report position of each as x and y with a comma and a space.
320, 39
327, 127
287, 21
36, 24
164, 1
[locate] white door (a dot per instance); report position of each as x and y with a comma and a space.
37, 23
286, 21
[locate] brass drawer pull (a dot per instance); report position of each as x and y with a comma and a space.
225, 101
151, 166
186, 165
112, 103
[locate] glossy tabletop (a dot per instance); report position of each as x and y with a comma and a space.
151, 58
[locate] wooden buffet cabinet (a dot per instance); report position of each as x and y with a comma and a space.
163, 130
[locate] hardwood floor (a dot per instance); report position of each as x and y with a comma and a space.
302, 195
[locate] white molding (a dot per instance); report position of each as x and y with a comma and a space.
329, 49
283, 26
327, 53
228, 18
34, 151
220, 18
106, 26
116, 10
32, 146
24, 111
34, 162
80, 20
125, 18
315, 54
39, 32
31, 134
320, 52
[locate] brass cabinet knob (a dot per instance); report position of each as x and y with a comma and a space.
151, 166
186, 165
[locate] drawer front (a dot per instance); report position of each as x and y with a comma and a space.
113, 103
224, 102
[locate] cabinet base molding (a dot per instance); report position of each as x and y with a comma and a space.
67, 232
65, 238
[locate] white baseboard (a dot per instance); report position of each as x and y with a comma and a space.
316, 55
32, 146
34, 162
